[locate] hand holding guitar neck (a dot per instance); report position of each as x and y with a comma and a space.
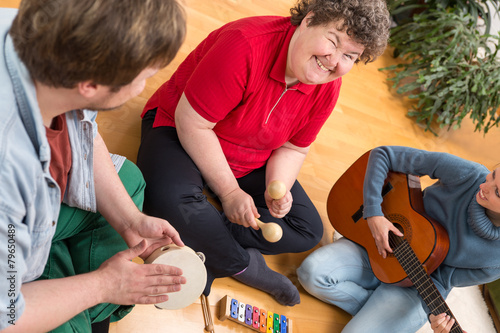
271, 231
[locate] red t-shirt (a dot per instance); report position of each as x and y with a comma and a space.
60, 151
236, 78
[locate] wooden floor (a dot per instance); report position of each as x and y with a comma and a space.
368, 114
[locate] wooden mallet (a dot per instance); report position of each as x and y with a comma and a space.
271, 231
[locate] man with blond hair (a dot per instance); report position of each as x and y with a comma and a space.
70, 214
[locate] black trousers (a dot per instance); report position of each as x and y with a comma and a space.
174, 191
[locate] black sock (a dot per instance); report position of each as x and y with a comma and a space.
259, 276
101, 327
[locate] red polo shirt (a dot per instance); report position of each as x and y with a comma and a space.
236, 78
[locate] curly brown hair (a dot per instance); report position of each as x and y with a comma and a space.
109, 42
366, 21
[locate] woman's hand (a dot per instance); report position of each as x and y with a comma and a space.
442, 323
157, 232
380, 227
239, 208
279, 208
125, 282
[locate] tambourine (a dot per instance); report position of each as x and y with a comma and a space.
193, 269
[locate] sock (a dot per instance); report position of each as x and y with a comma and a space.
259, 276
101, 327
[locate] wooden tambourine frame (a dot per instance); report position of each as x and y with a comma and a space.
193, 269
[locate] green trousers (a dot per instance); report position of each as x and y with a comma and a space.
82, 242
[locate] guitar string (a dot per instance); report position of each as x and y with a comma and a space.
415, 271
411, 262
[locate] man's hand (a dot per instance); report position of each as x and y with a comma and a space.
125, 282
158, 232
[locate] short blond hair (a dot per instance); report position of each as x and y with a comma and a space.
109, 42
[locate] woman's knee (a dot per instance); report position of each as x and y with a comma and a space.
328, 264
315, 272
180, 203
308, 274
322, 283
317, 230
305, 231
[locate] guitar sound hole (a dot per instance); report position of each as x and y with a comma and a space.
403, 225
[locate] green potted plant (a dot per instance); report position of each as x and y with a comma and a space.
449, 69
476, 8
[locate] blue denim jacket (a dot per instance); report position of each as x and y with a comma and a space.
29, 196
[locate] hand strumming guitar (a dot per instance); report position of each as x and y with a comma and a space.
380, 228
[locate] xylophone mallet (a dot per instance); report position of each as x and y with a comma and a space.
271, 231
209, 326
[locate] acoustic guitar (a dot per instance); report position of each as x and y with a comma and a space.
415, 255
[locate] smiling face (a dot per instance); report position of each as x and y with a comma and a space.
320, 54
489, 193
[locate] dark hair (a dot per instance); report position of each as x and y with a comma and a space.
63, 42
366, 21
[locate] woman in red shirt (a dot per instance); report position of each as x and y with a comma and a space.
242, 111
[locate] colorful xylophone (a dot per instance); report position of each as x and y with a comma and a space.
252, 317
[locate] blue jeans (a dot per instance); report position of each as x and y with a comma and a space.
340, 274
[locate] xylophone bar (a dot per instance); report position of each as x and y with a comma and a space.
252, 317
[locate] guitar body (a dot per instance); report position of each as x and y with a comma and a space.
403, 206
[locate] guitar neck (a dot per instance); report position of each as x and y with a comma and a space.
422, 282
